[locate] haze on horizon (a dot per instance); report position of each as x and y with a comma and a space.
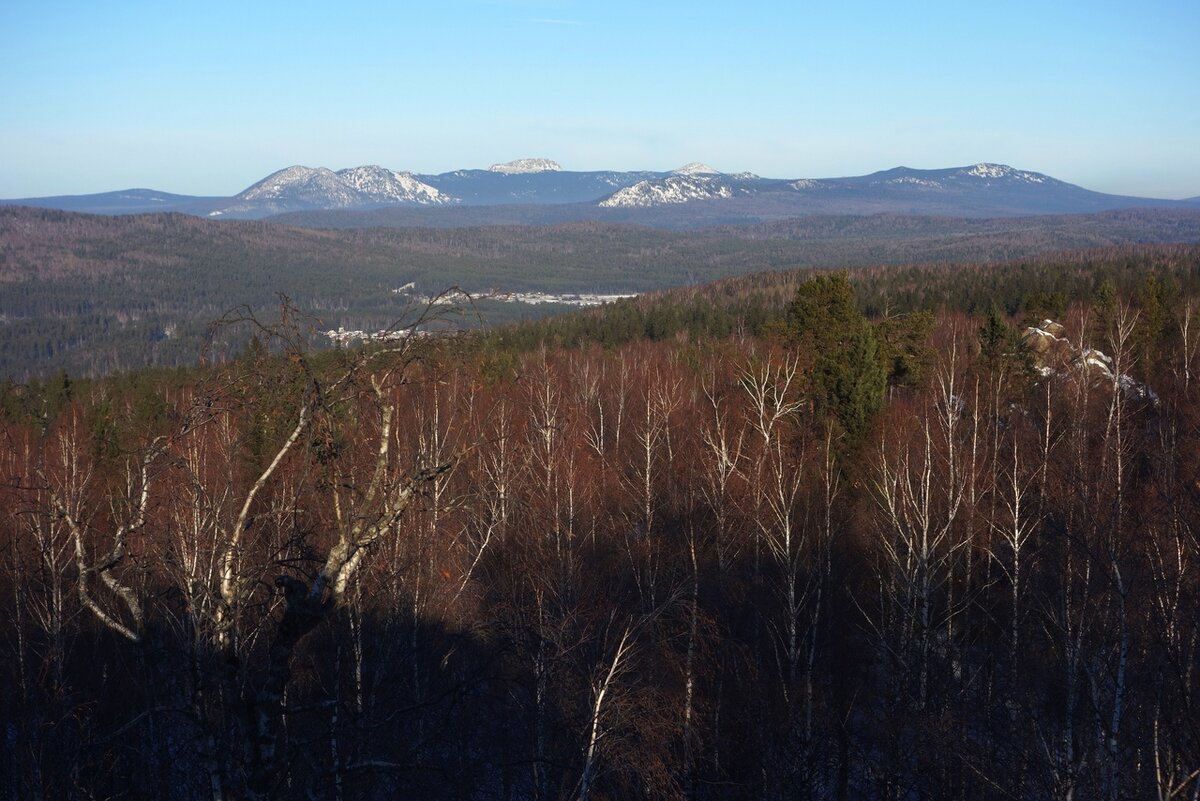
206, 99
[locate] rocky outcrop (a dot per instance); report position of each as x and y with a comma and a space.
1054, 355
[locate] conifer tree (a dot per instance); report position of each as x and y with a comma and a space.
848, 377
859, 381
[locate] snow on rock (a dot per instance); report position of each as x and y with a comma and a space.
356, 186
1090, 357
1049, 347
301, 182
673, 189
913, 180
1136, 389
1053, 328
807, 183
383, 185
1054, 355
1002, 171
523, 166
695, 168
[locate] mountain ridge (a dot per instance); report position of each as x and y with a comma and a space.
693, 195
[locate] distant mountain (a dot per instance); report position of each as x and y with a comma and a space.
538, 190
977, 179
977, 190
678, 188
695, 168
122, 201
521, 166
299, 188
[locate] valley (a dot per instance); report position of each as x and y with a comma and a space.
93, 294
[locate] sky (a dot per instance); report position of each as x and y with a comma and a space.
207, 98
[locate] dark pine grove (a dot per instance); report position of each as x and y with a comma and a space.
791, 536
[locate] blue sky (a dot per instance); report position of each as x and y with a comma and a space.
206, 98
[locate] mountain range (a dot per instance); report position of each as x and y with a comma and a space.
539, 190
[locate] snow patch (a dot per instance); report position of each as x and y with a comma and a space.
674, 189
1002, 171
914, 181
383, 185
321, 187
1054, 355
695, 168
525, 166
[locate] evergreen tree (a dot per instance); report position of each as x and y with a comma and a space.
1104, 309
1157, 301
823, 313
1001, 348
858, 381
848, 376
995, 337
904, 346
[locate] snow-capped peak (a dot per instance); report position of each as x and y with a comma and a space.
297, 178
382, 185
985, 170
695, 168
308, 187
368, 178
673, 189
521, 166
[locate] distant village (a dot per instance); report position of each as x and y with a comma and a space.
529, 298
343, 336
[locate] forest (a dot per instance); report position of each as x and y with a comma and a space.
93, 295
931, 533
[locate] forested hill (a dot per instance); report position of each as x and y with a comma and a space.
92, 294
1026, 289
